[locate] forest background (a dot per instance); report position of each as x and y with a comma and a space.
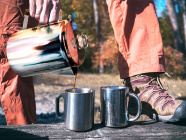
93, 20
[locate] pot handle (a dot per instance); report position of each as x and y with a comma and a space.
57, 104
139, 108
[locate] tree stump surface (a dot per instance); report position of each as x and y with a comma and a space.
135, 131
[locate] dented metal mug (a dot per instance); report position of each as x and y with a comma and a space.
114, 112
51, 48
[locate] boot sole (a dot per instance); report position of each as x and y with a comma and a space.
179, 114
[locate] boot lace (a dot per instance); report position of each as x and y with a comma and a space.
156, 85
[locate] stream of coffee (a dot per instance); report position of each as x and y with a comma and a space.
74, 84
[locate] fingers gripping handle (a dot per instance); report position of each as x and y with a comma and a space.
26, 17
57, 104
139, 108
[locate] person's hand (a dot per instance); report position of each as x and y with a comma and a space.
44, 10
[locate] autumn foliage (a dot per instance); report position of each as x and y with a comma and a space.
109, 56
173, 58
174, 61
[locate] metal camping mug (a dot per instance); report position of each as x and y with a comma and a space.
53, 48
78, 108
114, 106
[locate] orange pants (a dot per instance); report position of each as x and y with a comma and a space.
137, 33
16, 93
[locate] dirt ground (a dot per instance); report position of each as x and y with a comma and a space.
49, 84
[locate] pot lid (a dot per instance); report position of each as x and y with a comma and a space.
74, 44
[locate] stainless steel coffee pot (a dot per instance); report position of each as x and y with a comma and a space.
51, 48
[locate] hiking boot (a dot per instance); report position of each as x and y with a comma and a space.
156, 102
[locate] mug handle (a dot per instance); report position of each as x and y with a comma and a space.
139, 108
62, 95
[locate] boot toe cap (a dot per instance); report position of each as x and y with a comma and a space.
180, 113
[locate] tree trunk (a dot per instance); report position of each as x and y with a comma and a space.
104, 13
184, 21
98, 31
175, 26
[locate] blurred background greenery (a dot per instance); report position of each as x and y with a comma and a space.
101, 57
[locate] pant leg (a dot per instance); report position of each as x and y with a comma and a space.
16, 93
137, 33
